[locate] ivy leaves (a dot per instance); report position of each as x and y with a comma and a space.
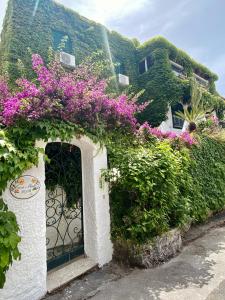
149, 190
64, 170
9, 240
17, 154
156, 186
208, 172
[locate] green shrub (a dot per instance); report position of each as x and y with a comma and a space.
159, 186
149, 190
208, 173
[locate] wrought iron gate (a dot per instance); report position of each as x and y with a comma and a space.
64, 222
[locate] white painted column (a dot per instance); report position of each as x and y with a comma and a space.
97, 237
104, 244
26, 279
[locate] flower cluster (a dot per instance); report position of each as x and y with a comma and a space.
146, 130
187, 138
79, 97
214, 120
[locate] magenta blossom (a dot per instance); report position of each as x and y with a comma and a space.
78, 97
158, 133
187, 138
147, 130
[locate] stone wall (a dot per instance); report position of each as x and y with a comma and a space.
150, 254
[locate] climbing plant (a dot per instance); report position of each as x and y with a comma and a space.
64, 169
51, 22
165, 88
55, 104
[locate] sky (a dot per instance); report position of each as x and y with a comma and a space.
196, 26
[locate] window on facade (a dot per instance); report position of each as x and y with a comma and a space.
177, 122
58, 38
142, 67
149, 62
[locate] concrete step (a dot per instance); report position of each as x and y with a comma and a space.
65, 273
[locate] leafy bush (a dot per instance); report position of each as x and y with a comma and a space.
9, 240
149, 189
160, 184
208, 173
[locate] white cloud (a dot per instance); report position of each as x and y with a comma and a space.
103, 11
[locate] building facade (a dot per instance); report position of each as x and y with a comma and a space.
156, 66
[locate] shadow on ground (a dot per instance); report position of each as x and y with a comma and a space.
193, 268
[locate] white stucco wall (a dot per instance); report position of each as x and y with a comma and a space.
26, 279
168, 124
97, 243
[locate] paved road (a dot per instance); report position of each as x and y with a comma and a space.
198, 273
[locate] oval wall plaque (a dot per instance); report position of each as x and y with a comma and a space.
25, 187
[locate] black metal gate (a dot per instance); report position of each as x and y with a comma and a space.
64, 219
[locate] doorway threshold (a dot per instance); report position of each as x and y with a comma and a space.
67, 272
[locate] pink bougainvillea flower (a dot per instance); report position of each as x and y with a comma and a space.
146, 130
78, 97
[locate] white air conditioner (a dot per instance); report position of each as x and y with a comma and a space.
67, 60
123, 80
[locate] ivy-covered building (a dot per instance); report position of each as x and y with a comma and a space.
157, 66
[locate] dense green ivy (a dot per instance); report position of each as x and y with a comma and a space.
159, 186
208, 173
41, 28
163, 87
176, 55
22, 29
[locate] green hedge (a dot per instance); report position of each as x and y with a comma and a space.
208, 174
159, 187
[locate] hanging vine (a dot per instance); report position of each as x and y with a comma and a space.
64, 170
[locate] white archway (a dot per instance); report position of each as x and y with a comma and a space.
26, 279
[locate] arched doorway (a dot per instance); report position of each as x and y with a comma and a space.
64, 205
31, 217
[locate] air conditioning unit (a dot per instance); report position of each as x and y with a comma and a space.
123, 80
67, 60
